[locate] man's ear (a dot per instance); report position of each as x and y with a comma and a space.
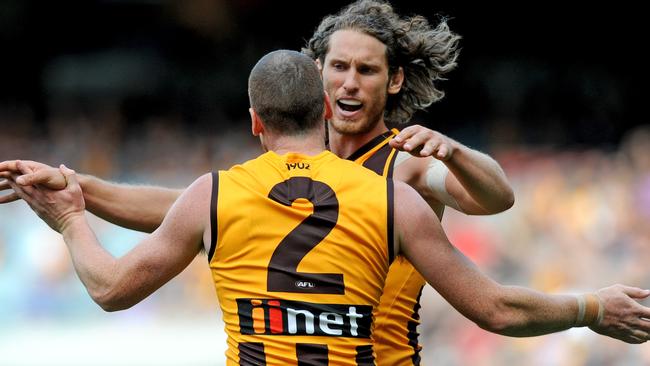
328, 107
256, 123
395, 82
319, 65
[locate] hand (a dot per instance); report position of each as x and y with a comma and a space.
421, 142
57, 208
623, 317
32, 173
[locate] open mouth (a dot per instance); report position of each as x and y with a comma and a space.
349, 105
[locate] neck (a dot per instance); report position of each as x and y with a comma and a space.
344, 145
311, 145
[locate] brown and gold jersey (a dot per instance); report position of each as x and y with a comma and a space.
300, 249
397, 317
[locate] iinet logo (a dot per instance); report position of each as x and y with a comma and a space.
283, 317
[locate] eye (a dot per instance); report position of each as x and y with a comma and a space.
338, 66
365, 70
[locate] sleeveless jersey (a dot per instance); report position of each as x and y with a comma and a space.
299, 253
396, 319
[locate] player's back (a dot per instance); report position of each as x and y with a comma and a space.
299, 255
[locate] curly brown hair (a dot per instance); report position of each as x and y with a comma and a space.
426, 54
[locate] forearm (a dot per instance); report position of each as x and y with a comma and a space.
135, 207
522, 312
95, 266
482, 178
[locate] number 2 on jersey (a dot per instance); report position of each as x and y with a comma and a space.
283, 275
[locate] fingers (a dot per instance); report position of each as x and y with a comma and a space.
634, 340
20, 191
12, 165
43, 175
643, 314
8, 166
4, 185
443, 152
406, 133
641, 326
635, 292
11, 197
422, 142
414, 139
38, 177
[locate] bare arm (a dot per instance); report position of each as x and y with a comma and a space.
134, 207
477, 184
119, 283
140, 208
507, 310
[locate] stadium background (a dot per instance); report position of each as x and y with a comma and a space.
155, 92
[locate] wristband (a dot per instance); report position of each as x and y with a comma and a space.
590, 310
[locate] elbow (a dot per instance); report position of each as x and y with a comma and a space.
109, 300
505, 202
508, 200
497, 324
499, 318
111, 307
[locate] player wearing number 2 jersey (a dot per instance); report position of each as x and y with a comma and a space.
302, 248
298, 255
378, 68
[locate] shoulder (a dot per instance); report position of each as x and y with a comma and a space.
404, 193
409, 204
201, 187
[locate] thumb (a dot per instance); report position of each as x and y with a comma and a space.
70, 176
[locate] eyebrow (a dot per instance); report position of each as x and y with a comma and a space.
371, 64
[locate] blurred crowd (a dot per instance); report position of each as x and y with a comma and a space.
153, 92
581, 221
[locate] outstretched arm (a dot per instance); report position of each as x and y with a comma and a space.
477, 183
119, 283
134, 207
509, 310
140, 208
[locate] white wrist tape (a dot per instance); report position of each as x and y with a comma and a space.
435, 177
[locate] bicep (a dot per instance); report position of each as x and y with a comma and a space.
167, 251
463, 201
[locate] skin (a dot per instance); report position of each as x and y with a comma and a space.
119, 283
355, 70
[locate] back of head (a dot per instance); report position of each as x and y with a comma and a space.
424, 53
286, 92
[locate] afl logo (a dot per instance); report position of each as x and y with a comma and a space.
305, 284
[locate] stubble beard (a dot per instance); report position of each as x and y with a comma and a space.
353, 128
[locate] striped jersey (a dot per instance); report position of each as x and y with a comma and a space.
300, 250
397, 317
